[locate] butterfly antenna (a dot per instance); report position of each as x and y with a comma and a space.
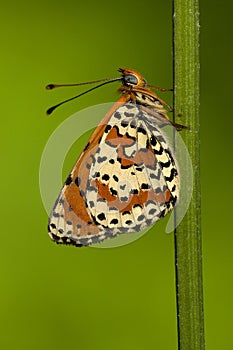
53, 86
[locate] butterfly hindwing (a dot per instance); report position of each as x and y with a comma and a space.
126, 179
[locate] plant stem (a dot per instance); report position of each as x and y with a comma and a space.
188, 250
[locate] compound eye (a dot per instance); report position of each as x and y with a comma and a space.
130, 79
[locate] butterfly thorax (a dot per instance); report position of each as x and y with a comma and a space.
145, 98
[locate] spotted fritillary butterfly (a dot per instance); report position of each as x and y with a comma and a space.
126, 178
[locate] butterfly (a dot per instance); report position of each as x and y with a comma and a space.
127, 176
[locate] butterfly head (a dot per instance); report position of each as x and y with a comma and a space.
131, 78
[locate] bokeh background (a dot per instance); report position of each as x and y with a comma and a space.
58, 297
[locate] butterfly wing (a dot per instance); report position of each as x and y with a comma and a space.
125, 180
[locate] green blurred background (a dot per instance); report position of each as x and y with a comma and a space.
58, 297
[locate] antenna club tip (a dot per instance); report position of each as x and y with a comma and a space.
50, 86
49, 111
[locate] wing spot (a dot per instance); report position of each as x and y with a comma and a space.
128, 222
173, 188
124, 124
126, 212
101, 159
108, 127
141, 130
68, 180
145, 186
114, 221
101, 216
129, 115
115, 178
137, 205
117, 115
125, 166
105, 177
91, 204
152, 211
141, 217
113, 192
101, 200
153, 140
134, 191
77, 181
113, 209
133, 124
166, 164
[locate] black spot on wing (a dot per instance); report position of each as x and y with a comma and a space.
101, 216
77, 181
68, 180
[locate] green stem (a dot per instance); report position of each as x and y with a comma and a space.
188, 250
